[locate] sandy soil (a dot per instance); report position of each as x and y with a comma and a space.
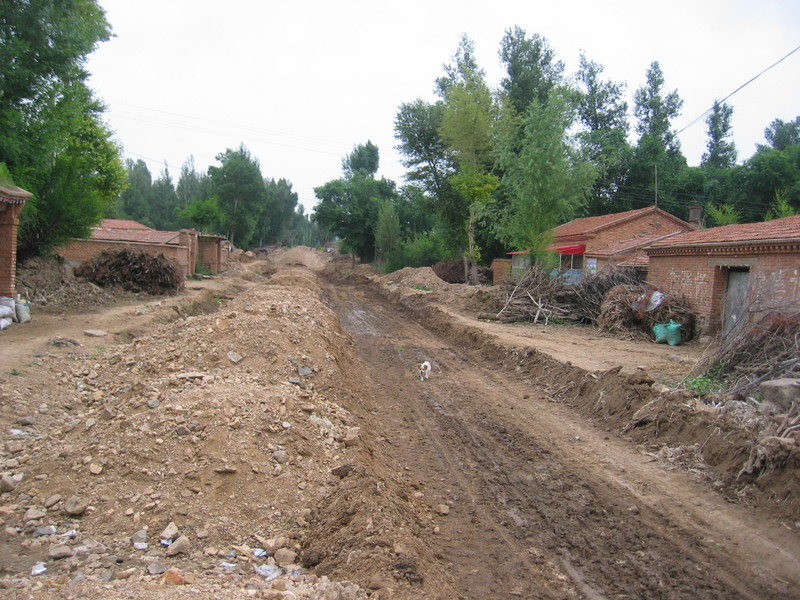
528, 466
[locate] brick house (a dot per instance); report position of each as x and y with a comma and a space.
186, 247
12, 199
588, 244
732, 274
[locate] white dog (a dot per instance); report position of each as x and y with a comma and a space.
424, 369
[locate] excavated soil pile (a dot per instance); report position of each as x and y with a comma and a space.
217, 447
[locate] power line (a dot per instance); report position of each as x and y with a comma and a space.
751, 80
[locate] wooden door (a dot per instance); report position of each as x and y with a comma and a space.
735, 300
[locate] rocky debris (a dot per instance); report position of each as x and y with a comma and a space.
175, 433
7, 483
94, 333
64, 342
180, 546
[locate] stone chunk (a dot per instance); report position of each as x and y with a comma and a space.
94, 333
75, 506
781, 393
180, 546
60, 551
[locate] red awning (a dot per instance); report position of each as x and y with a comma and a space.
569, 249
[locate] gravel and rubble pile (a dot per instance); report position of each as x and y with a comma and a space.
215, 452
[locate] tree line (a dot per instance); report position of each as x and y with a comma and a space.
54, 143
495, 170
488, 170
232, 198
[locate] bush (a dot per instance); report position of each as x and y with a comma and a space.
419, 251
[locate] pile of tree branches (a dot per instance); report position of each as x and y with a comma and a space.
626, 311
134, 271
536, 297
766, 350
586, 296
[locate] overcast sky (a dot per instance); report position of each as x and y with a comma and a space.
301, 82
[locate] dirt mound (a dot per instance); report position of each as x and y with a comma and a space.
422, 278
231, 425
299, 256
48, 281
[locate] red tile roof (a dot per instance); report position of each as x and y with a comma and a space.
147, 236
631, 244
787, 228
589, 225
122, 224
11, 194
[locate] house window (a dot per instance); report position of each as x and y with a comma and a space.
571, 262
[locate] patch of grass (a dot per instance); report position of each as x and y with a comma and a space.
400, 349
15, 372
424, 288
704, 385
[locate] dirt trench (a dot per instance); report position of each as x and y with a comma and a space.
531, 501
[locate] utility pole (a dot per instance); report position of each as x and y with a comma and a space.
656, 167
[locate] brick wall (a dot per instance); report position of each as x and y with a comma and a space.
650, 224
80, 250
210, 250
9, 220
501, 270
773, 283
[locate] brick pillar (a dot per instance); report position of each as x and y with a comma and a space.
9, 220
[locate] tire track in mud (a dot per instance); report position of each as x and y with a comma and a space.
528, 519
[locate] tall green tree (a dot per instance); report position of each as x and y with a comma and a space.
781, 134
76, 178
387, 231
657, 160
532, 70
363, 160
164, 203
467, 123
348, 207
52, 137
275, 225
720, 157
720, 149
603, 113
418, 128
134, 202
239, 189
192, 186
543, 175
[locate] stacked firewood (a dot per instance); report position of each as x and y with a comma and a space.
132, 270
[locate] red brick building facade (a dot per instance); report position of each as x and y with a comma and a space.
186, 247
12, 199
588, 244
734, 273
